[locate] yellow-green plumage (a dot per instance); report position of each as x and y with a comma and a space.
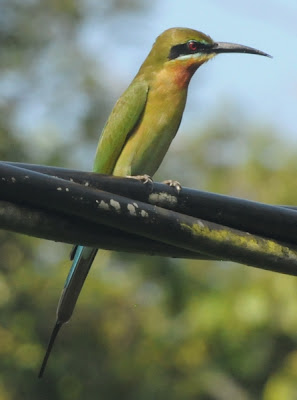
140, 129
147, 116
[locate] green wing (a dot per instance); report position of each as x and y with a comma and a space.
121, 122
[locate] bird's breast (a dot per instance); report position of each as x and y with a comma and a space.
149, 142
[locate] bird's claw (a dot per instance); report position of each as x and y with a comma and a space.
145, 179
142, 178
175, 184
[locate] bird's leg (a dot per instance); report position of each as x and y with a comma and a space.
175, 184
145, 179
142, 178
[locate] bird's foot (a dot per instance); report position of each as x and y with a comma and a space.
142, 178
145, 179
175, 184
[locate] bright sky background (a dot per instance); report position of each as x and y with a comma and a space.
265, 89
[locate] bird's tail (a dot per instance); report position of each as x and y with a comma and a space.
82, 261
83, 258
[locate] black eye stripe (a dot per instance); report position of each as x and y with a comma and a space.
177, 50
183, 49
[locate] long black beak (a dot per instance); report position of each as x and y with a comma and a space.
222, 47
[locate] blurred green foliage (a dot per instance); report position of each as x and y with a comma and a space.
144, 327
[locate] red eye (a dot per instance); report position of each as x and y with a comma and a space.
192, 46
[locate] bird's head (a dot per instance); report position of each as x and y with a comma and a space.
184, 49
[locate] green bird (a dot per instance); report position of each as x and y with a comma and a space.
141, 127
